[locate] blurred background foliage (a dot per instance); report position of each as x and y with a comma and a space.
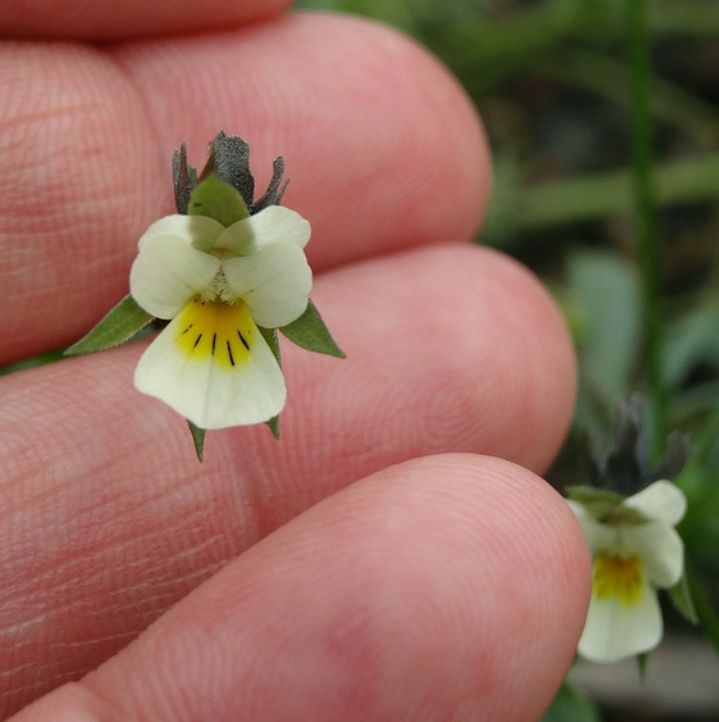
551, 80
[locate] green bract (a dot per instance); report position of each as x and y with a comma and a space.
216, 199
118, 325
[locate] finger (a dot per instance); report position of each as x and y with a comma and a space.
451, 587
383, 150
473, 357
126, 18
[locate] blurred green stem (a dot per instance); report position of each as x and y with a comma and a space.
516, 209
601, 75
645, 207
486, 49
701, 450
689, 180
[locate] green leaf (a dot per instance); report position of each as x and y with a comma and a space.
681, 597
708, 616
198, 439
216, 199
118, 325
309, 332
570, 705
270, 335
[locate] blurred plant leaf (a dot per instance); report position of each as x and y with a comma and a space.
681, 597
707, 614
32, 362
605, 290
571, 705
691, 340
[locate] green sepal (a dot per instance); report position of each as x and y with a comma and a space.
274, 426
118, 325
218, 200
198, 439
604, 506
681, 597
642, 664
276, 189
270, 335
590, 495
230, 160
184, 179
309, 332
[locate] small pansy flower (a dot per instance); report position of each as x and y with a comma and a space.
229, 273
635, 551
216, 285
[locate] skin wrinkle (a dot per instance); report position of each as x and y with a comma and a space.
319, 525
81, 84
274, 492
180, 117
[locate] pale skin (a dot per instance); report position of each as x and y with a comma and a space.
395, 557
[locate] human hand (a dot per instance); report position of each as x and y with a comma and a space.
366, 567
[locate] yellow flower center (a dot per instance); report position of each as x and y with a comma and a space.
224, 331
619, 577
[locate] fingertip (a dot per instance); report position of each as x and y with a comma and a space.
449, 585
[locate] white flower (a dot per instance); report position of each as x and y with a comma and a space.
217, 284
635, 550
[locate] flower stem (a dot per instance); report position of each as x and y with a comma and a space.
649, 250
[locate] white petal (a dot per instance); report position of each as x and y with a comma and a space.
598, 535
660, 548
199, 231
661, 500
167, 273
615, 630
275, 283
227, 378
275, 224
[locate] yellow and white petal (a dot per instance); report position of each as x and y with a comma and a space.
615, 630
212, 365
660, 548
167, 273
199, 231
598, 535
275, 283
274, 224
662, 501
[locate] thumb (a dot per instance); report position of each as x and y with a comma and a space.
449, 587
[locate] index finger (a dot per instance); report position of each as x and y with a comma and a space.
91, 20
383, 150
